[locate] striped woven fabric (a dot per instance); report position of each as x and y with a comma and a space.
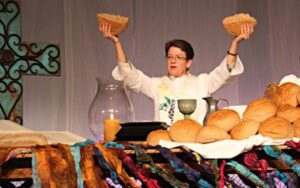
55, 166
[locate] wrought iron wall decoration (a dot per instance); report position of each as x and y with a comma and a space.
19, 58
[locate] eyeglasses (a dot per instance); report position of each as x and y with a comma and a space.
176, 58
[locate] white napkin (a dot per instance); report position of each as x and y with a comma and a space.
225, 149
290, 78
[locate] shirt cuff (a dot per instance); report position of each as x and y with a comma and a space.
122, 70
230, 66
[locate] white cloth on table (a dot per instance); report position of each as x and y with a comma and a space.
226, 149
53, 137
9, 126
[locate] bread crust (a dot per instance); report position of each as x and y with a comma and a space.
210, 134
297, 128
118, 23
184, 130
154, 137
224, 118
276, 128
232, 24
244, 129
287, 93
288, 112
260, 109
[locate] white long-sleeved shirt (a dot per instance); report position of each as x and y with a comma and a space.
165, 90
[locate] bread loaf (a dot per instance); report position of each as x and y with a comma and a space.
297, 128
210, 134
288, 112
232, 24
118, 23
224, 118
287, 93
260, 109
276, 128
244, 129
154, 137
184, 130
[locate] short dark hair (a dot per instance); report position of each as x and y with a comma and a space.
183, 45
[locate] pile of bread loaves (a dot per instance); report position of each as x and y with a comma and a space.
276, 115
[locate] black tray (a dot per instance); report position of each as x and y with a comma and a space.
138, 131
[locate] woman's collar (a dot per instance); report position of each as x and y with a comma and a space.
178, 77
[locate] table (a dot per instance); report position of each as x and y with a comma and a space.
19, 167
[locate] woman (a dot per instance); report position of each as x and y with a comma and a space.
178, 83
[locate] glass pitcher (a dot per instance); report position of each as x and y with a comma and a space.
110, 107
212, 106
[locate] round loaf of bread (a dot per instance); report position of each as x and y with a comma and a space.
224, 118
184, 130
276, 128
244, 129
154, 137
118, 23
260, 109
288, 112
287, 93
232, 24
210, 134
297, 128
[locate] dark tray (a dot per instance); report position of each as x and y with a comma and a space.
138, 131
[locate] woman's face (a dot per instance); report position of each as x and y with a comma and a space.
176, 62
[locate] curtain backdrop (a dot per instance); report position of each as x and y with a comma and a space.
62, 103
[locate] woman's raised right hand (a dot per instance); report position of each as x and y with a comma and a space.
105, 29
